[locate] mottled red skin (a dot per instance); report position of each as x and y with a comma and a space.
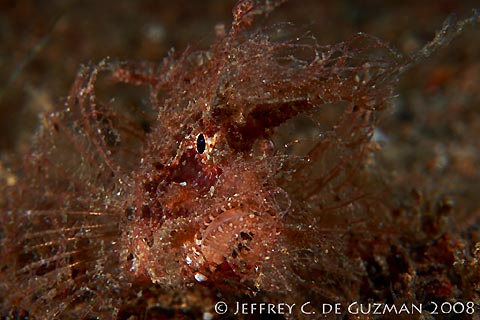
202, 189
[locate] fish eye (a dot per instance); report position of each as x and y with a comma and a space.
201, 143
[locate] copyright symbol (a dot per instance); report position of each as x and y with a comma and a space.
221, 307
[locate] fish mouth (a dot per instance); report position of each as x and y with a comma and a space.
240, 237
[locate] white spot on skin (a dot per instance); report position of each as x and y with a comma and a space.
183, 184
212, 190
200, 277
